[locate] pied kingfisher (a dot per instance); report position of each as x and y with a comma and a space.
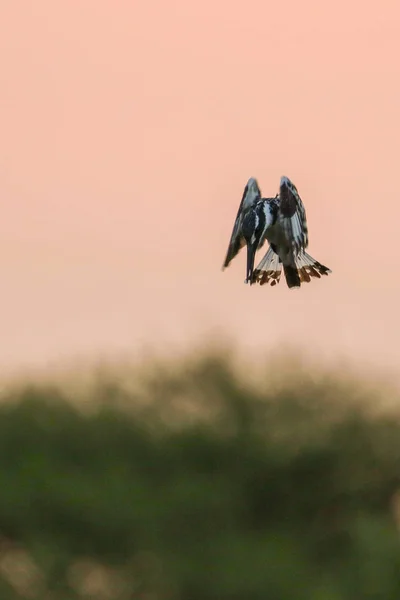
282, 222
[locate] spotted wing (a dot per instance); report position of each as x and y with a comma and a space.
237, 241
292, 216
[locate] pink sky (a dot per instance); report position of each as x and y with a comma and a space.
128, 130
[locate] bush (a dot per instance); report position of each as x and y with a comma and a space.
201, 487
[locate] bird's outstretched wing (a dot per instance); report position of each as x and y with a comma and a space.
292, 216
251, 194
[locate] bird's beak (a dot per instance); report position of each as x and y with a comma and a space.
250, 262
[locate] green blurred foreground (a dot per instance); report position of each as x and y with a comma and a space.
200, 486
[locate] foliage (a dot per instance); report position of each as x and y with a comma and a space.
201, 487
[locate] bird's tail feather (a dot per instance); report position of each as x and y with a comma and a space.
306, 267
269, 270
292, 276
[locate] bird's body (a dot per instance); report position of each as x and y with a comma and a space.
257, 222
282, 222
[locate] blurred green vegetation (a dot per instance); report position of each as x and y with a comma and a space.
199, 485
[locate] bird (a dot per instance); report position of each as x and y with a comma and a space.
282, 222
254, 216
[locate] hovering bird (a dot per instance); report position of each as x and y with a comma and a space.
252, 220
282, 222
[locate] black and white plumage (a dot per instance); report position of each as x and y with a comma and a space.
254, 217
282, 221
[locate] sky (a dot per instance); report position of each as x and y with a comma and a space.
128, 130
